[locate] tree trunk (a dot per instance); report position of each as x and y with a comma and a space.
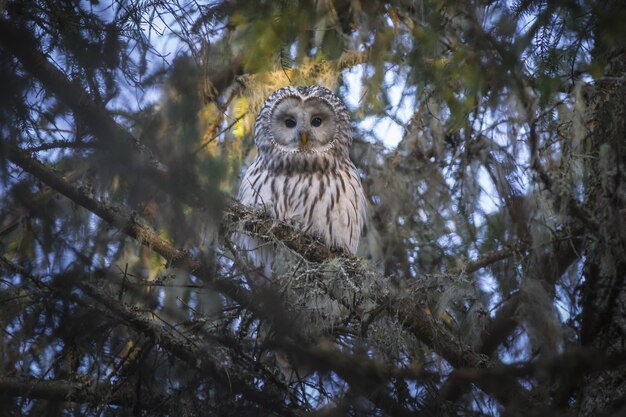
604, 292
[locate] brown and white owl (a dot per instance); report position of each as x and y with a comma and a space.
303, 171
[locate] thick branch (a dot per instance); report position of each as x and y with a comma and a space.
263, 226
109, 214
83, 392
574, 363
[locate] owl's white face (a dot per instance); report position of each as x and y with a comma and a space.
306, 125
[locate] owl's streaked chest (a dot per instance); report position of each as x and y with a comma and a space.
329, 204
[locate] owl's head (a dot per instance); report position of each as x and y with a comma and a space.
303, 120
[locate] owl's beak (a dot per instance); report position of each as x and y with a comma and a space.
304, 138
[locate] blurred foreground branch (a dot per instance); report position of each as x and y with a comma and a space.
84, 392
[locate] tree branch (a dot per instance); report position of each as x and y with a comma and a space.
191, 350
261, 225
84, 392
502, 325
24, 46
123, 148
491, 258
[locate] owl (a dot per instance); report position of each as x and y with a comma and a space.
303, 172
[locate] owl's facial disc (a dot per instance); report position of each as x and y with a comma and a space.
303, 125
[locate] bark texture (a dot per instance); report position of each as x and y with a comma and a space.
604, 294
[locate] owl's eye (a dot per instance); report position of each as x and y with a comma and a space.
290, 123
316, 121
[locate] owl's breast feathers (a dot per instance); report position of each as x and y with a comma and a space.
322, 194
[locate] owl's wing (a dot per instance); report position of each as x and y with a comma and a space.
250, 190
250, 194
